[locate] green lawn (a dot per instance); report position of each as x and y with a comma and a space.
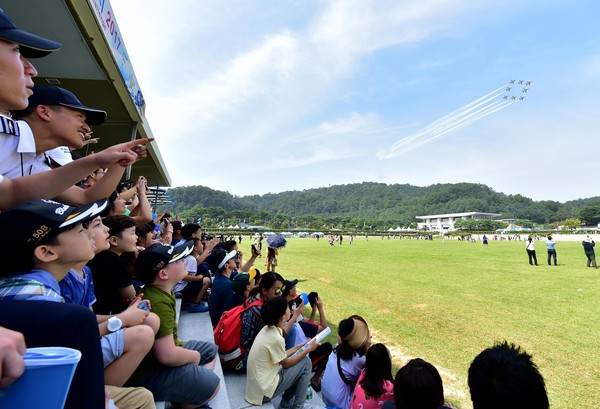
445, 301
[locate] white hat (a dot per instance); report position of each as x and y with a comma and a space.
60, 155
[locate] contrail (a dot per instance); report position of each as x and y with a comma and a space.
454, 121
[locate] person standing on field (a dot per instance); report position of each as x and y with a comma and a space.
588, 248
530, 247
551, 250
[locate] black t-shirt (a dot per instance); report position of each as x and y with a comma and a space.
110, 273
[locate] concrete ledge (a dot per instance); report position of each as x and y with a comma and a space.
236, 386
198, 326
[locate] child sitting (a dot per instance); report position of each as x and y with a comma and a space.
113, 283
265, 380
346, 362
193, 287
47, 240
375, 384
173, 371
242, 284
124, 338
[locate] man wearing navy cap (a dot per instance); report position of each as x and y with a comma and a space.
53, 118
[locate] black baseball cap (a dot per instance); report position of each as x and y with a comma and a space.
29, 223
53, 95
31, 45
289, 284
150, 261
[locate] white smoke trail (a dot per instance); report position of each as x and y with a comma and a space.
454, 121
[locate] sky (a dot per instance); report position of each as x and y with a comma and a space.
252, 97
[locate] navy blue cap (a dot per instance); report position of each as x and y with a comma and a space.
32, 46
53, 95
30, 222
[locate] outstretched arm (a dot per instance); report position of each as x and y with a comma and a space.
135, 151
54, 183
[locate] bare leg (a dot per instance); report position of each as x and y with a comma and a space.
138, 341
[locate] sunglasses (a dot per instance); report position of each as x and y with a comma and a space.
279, 290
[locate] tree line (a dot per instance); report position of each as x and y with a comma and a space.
371, 206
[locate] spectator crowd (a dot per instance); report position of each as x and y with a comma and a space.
88, 266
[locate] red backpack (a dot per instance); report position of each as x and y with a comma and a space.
228, 333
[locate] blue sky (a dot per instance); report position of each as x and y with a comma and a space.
253, 97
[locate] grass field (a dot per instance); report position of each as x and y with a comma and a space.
445, 301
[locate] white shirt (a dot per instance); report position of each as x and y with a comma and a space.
17, 154
335, 391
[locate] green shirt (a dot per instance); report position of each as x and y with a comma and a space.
164, 305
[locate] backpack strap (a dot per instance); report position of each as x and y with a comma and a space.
251, 307
342, 376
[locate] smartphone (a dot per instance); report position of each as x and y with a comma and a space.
144, 305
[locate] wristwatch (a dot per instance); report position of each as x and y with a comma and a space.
114, 324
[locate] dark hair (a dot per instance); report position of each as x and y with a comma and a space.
418, 385
504, 376
229, 245
116, 224
378, 369
268, 279
176, 225
111, 201
272, 310
188, 230
144, 229
344, 350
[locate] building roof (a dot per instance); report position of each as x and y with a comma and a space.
435, 216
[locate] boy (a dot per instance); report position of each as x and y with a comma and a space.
242, 284
221, 294
47, 239
193, 287
111, 273
265, 380
122, 348
55, 117
173, 371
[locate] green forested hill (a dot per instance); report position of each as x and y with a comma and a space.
374, 201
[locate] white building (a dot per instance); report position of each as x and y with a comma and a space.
445, 222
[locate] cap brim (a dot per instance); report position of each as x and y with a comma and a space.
227, 257
92, 116
32, 46
60, 155
181, 251
84, 213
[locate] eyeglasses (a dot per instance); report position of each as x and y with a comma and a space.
279, 290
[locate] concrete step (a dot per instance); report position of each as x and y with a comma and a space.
236, 386
198, 326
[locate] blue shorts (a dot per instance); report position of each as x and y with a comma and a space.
112, 346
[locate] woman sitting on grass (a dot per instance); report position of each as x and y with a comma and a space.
375, 385
346, 362
268, 352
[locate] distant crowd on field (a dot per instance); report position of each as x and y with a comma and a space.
87, 266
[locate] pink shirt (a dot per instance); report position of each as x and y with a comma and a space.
361, 400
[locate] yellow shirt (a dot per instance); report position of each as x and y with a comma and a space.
267, 351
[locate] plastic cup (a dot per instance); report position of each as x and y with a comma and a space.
46, 381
